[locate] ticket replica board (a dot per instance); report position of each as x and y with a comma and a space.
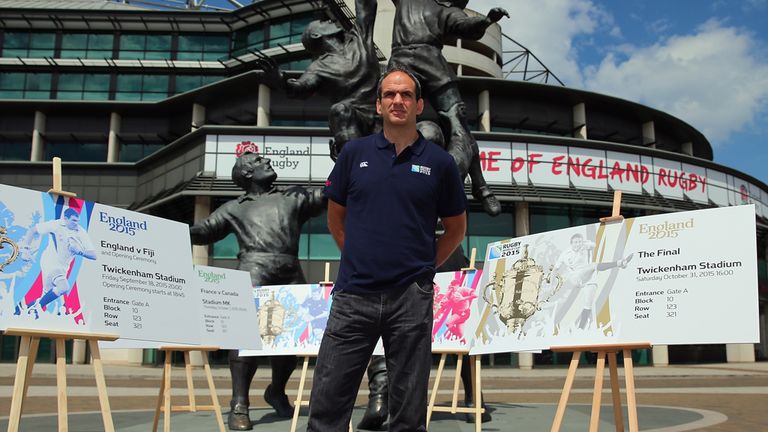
677, 278
74, 265
292, 318
227, 311
456, 309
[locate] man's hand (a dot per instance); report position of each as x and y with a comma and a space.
269, 73
334, 149
497, 14
75, 247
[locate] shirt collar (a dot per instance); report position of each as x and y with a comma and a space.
417, 147
253, 197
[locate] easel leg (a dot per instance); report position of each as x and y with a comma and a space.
33, 347
61, 384
558, 421
615, 392
190, 383
631, 401
476, 383
20, 384
456, 380
214, 396
435, 387
597, 393
159, 402
167, 392
101, 384
300, 394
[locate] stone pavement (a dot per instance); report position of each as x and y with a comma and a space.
711, 397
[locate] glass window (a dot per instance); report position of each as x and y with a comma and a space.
19, 85
141, 87
296, 65
145, 47
248, 39
83, 45
186, 83
83, 86
25, 44
15, 151
288, 31
73, 151
132, 152
200, 47
226, 248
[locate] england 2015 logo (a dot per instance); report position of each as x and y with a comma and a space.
122, 224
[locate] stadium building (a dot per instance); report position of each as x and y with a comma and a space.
149, 106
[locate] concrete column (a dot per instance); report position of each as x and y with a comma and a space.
522, 228
580, 121
113, 145
198, 116
78, 351
38, 144
660, 355
263, 113
484, 107
740, 353
687, 148
200, 256
649, 134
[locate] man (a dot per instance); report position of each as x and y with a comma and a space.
419, 30
267, 223
67, 241
345, 70
580, 273
385, 195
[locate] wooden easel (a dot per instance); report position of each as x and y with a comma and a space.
475, 365
30, 341
164, 398
603, 351
300, 402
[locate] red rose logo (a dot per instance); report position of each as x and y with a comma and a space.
744, 192
246, 147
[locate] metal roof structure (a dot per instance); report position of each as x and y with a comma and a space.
69, 4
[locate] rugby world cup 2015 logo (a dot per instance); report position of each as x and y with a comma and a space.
494, 253
246, 147
121, 224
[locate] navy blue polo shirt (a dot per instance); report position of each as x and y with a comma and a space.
392, 205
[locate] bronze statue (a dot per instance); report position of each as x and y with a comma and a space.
419, 31
345, 69
267, 223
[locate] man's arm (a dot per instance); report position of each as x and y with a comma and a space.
455, 227
210, 230
336, 215
302, 87
473, 28
365, 18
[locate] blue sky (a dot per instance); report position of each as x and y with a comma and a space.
705, 62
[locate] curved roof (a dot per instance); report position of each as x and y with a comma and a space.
69, 4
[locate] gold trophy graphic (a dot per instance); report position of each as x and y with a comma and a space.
271, 320
14, 248
516, 294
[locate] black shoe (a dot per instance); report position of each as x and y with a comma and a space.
376, 413
485, 418
279, 402
487, 198
238, 418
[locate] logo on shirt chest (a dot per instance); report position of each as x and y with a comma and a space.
421, 169
364, 164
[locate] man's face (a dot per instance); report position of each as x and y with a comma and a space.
262, 171
576, 243
397, 103
72, 222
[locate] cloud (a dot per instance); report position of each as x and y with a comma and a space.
713, 78
550, 28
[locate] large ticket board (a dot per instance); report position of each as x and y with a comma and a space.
75, 265
292, 318
677, 278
